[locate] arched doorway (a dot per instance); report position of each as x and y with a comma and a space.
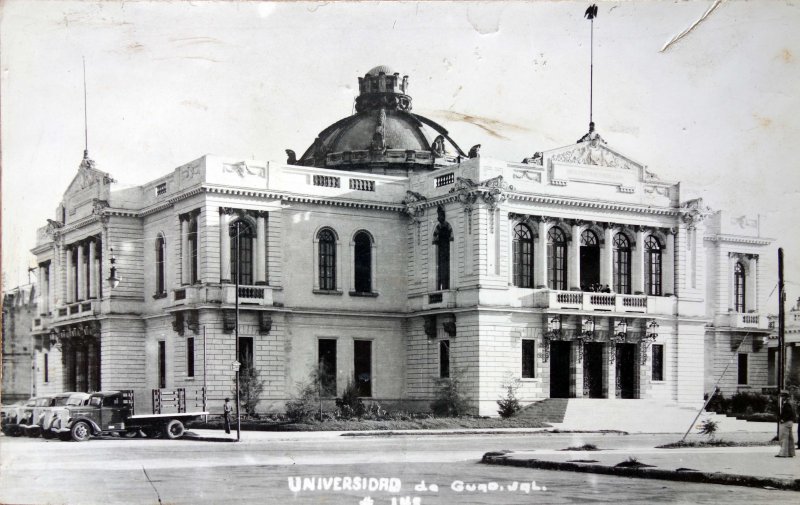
590, 261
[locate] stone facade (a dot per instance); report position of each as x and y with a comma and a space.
399, 260
19, 366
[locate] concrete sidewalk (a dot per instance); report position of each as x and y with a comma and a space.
748, 466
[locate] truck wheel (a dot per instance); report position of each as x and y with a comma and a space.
173, 429
81, 431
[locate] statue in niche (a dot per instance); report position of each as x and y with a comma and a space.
475, 151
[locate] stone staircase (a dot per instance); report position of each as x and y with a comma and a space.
551, 410
633, 416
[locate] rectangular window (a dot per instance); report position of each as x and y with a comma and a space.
190, 357
162, 364
362, 366
772, 369
444, 359
246, 352
742, 380
528, 359
658, 362
326, 348
161, 189
46, 368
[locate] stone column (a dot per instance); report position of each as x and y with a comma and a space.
540, 255
261, 249
607, 257
51, 283
70, 280
224, 246
186, 254
637, 263
669, 265
81, 273
732, 259
41, 299
92, 270
574, 260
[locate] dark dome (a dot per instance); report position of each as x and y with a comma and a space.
383, 133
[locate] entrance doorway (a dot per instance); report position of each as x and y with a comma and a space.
560, 358
626, 370
593, 370
590, 261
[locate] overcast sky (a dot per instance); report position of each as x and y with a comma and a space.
168, 82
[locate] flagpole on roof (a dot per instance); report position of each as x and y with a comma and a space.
590, 14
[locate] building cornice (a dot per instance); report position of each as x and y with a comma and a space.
739, 239
593, 204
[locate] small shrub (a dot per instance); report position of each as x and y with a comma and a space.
451, 401
350, 405
307, 405
584, 447
709, 428
509, 404
756, 402
718, 404
250, 386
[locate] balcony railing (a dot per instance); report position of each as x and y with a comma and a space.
76, 310
750, 320
599, 302
223, 293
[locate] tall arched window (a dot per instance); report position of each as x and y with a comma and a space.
556, 259
161, 265
738, 287
327, 259
652, 248
245, 259
362, 259
590, 261
622, 264
441, 239
523, 256
193, 247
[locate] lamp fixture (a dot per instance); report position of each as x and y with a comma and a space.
113, 279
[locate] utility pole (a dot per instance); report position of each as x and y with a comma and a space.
781, 322
236, 332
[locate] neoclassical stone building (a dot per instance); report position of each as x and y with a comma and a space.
393, 257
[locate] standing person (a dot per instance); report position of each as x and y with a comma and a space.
226, 414
786, 416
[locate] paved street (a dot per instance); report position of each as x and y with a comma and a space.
262, 470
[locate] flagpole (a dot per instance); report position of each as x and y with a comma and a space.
590, 14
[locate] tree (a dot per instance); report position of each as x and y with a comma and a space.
250, 385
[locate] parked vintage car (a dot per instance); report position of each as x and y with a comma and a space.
30, 414
58, 405
10, 416
60, 416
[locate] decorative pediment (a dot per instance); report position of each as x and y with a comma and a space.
595, 153
88, 177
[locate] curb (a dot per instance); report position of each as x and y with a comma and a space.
496, 458
488, 431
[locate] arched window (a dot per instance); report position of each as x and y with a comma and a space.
327, 259
556, 259
652, 248
523, 256
362, 259
738, 287
245, 247
193, 247
589, 262
161, 265
589, 239
622, 264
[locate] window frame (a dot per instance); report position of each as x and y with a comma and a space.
444, 358
622, 264
362, 262
328, 390
442, 238
657, 372
654, 266
326, 259
190, 357
557, 258
530, 362
247, 236
743, 356
161, 266
369, 384
193, 236
522, 246
739, 288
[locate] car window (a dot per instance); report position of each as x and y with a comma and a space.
112, 401
61, 400
95, 401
